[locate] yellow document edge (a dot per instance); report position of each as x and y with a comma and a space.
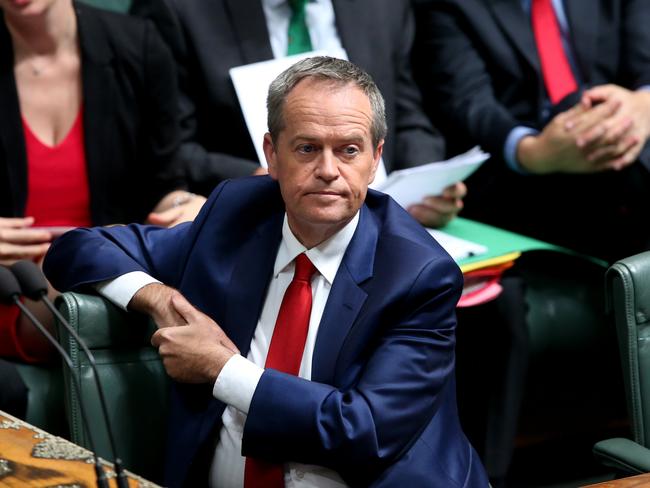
466, 268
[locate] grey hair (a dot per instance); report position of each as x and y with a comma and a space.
325, 68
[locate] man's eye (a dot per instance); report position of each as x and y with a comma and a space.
306, 148
351, 150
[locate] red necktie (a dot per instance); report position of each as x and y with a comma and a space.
558, 77
285, 354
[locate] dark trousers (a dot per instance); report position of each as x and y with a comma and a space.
13, 392
491, 364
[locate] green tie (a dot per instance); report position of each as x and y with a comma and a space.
299, 41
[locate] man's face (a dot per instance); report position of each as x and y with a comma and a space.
324, 158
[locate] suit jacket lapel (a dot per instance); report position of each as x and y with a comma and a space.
583, 34
513, 20
346, 298
249, 24
251, 276
348, 14
98, 86
12, 138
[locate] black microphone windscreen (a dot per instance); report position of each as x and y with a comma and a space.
31, 279
9, 286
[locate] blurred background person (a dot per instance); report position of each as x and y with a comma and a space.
560, 99
88, 136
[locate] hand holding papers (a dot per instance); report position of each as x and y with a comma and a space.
410, 186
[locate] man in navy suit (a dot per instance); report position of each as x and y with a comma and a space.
372, 399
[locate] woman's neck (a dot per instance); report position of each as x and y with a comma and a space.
45, 33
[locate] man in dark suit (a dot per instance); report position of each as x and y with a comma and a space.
567, 166
360, 390
209, 38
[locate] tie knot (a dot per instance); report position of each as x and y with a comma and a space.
298, 5
304, 268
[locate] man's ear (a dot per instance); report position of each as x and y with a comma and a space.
271, 156
375, 161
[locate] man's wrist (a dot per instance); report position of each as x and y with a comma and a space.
530, 155
149, 296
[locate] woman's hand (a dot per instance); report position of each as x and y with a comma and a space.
18, 241
176, 207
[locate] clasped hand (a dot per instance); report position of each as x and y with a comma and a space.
605, 131
192, 346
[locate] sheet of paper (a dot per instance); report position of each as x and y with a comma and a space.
251, 84
409, 186
457, 248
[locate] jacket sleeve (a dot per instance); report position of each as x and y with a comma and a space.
360, 430
160, 138
85, 256
417, 141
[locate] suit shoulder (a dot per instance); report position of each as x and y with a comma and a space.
245, 202
105, 33
403, 241
397, 224
110, 20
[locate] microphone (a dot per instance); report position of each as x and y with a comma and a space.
10, 294
34, 286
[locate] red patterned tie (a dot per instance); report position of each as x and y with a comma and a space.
558, 77
285, 354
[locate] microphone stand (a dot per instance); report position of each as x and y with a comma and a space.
29, 275
102, 482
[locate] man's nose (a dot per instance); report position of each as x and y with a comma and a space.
328, 168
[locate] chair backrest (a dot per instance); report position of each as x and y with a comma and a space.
628, 295
132, 376
121, 6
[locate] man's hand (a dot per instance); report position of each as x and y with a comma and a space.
196, 352
620, 138
438, 211
155, 300
168, 214
565, 143
18, 241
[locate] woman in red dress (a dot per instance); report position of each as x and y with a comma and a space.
88, 134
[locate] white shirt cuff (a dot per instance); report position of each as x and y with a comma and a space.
237, 382
120, 290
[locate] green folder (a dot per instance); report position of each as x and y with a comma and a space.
499, 241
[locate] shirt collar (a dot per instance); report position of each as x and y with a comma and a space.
277, 3
326, 257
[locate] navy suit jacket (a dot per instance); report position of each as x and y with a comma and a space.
380, 408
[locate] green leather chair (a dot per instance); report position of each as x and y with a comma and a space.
45, 407
134, 382
628, 297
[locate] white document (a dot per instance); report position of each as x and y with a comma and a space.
457, 248
252, 82
411, 185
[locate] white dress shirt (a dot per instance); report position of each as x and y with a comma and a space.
239, 377
320, 20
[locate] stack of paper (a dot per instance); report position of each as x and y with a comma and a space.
410, 186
